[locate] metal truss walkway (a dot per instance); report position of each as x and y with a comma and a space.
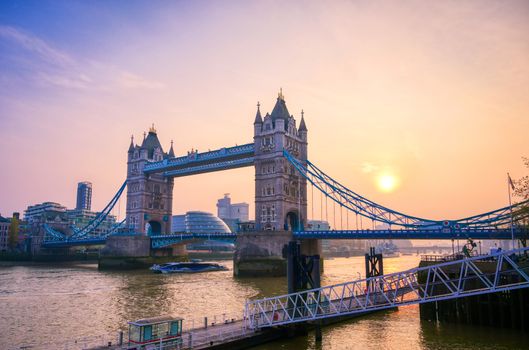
498, 272
205, 162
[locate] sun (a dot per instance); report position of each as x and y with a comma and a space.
387, 182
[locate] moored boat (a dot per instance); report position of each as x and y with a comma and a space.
187, 267
388, 250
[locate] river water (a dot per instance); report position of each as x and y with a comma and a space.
68, 306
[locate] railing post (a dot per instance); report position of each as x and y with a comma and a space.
317, 284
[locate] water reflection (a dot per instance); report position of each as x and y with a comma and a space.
44, 305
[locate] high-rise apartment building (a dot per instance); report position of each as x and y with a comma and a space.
84, 196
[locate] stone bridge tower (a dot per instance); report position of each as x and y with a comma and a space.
280, 191
149, 196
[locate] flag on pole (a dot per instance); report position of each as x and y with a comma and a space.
511, 183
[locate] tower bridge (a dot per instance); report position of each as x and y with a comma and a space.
283, 174
280, 191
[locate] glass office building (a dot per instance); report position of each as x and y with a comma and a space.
199, 222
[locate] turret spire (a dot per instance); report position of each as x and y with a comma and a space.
152, 129
171, 152
302, 126
131, 147
258, 119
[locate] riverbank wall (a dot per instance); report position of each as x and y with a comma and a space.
509, 309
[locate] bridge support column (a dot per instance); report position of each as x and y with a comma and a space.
303, 273
317, 284
374, 265
264, 253
261, 254
133, 252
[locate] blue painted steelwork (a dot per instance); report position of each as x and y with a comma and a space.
225, 156
85, 232
52, 235
504, 233
161, 241
71, 243
92, 225
376, 212
158, 241
55, 238
207, 168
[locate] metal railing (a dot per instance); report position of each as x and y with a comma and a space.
443, 281
442, 258
200, 157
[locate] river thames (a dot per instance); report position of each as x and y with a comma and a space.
67, 306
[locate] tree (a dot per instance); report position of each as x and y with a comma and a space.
522, 185
521, 190
12, 239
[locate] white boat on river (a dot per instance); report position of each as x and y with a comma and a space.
187, 267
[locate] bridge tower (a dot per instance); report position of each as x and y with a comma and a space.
149, 196
280, 191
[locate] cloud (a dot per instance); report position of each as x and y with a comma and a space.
35, 45
132, 81
41, 63
31, 59
80, 81
368, 167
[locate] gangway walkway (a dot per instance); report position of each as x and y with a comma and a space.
449, 280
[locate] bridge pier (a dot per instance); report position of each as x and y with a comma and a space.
264, 253
261, 254
127, 252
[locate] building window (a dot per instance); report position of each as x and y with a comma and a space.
263, 213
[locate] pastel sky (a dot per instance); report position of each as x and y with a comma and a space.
434, 93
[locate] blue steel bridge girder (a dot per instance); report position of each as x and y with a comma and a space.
196, 163
158, 241
184, 238
443, 234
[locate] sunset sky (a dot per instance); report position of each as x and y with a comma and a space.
434, 95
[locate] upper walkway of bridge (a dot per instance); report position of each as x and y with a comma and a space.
197, 163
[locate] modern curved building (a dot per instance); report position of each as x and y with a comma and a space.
199, 222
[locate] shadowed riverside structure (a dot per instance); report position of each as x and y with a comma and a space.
279, 155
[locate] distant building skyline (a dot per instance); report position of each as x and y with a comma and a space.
84, 196
232, 213
5, 223
228, 210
